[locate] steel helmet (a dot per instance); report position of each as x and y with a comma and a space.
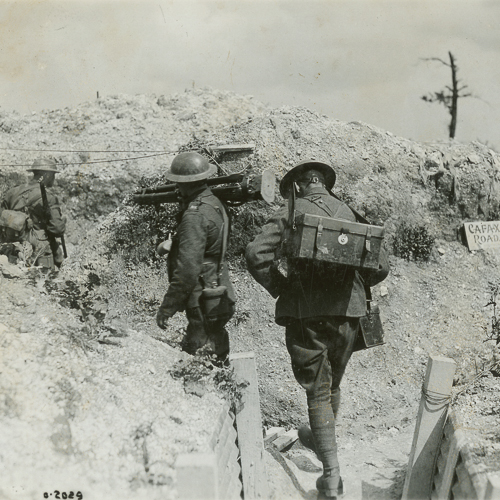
44, 165
190, 167
295, 172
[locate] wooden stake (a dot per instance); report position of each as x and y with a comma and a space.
249, 425
429, 427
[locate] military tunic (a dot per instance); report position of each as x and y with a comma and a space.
309, 295
193, 263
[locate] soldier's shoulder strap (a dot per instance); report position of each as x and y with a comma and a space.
218, 206
359, 217
214, 202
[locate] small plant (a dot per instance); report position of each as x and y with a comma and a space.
494, 334
136, 230
195, 369
240, 317
412, 241
201, 369
231, 390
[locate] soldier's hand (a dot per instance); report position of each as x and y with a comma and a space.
164, 247
162, 319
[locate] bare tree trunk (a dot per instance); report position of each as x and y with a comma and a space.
454, 98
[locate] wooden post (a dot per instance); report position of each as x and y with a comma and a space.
492, 488
197, 476
249, 425
429, 427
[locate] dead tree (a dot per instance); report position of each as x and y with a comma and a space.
449, 96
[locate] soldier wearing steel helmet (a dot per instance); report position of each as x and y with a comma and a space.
28, 198
195, 259
319, 312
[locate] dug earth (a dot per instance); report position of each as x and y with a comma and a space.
96, 400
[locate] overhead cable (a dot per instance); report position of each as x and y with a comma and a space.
88, 162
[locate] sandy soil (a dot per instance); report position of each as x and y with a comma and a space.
87, 399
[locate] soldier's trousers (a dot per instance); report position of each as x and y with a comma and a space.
320, 349
201, 332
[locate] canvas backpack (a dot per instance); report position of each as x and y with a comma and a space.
15, 226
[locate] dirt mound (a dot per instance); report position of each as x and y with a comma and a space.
428, 307
385, 177
106, 145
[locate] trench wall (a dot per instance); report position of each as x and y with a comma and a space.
215, 475
455, 475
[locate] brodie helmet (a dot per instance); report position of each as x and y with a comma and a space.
44, 165
190, 167
294, 173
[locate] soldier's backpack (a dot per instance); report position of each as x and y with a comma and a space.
15, 226
334, 245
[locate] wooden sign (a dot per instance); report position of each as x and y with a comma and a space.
482, 234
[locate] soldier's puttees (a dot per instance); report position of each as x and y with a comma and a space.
32, 214
320, 307
198, 275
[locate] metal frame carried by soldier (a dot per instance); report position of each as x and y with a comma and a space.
321, 310
31, 213
198, 276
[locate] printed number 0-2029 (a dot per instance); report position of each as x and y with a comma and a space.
57, 494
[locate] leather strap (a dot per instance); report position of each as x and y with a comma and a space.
369, 299
224, 231
354, 211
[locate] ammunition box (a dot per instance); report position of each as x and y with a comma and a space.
335, 242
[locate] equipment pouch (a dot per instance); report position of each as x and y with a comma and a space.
371, 332
15, 225
214, 302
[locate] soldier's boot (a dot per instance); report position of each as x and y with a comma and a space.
46, 261
330, 484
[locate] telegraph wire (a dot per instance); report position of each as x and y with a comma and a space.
89, 162
154, 155
162, 151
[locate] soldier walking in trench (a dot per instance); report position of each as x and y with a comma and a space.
320, 311
198, 275
46, 223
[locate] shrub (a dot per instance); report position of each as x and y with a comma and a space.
412, 241
202, 369
137, 230
246, 222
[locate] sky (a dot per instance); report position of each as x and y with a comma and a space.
353, 60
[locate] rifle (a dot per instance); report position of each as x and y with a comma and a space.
243, 187
51, 238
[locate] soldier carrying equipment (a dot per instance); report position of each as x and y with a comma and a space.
198, 275
320, 306
27, 216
